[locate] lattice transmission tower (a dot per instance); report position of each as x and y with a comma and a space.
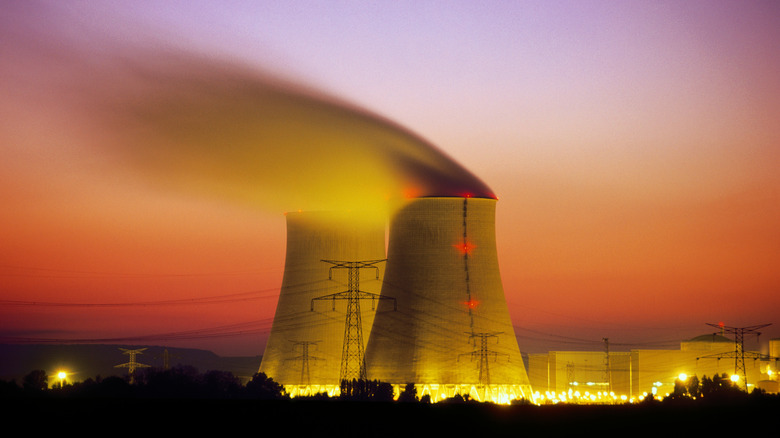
305, 358
607, 365
483, 355
739, 348
166, 357
353, 366
131, 365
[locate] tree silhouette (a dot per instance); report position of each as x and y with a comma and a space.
221, 384
694, 389
409, 394
264, 388
176, 382
366, 390
680, 389
36, 381
9, 389
720, 387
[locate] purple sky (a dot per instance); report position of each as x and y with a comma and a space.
633, 146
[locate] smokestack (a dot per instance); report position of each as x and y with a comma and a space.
451, 333
304, 349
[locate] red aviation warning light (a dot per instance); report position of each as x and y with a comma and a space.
465, 247
471, 304
469, 195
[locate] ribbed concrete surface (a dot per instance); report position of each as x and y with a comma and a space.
452, 323
312, 237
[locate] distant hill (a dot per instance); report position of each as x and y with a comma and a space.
91, 361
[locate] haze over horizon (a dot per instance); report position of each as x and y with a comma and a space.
633, 148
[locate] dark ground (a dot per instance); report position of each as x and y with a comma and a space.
382, 419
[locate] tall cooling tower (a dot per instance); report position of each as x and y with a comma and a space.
451, 333
304, 349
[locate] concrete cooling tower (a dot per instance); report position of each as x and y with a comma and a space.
305, 347
451, 333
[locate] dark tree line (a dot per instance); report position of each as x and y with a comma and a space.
177, 382
718, 388
185, 382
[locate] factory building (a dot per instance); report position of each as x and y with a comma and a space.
616, 376
431, 311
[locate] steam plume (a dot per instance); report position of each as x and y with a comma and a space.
216, 128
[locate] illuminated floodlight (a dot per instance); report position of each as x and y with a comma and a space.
734, 378
62, 375
683, 377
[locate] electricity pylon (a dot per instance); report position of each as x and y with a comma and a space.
483, 355
132, 364
739, 348
166, 357
570, 376
607, 365
353, 366
304, 358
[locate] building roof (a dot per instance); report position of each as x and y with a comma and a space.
710, 337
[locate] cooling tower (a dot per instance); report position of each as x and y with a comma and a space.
304, 349
451, 333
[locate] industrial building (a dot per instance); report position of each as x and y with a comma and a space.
610, 376
430, 310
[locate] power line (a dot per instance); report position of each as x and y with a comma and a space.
246, 328
69, 273
219, 299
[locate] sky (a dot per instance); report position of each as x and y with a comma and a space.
633, 148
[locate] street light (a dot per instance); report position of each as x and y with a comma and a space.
62, 375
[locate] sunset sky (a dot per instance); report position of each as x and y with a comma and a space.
634, 148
